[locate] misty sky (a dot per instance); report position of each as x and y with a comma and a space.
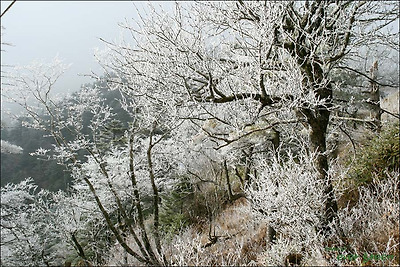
41, 30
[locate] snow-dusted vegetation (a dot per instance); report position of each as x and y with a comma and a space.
222, 133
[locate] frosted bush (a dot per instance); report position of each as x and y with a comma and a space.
8, 148
289, 195
371, 227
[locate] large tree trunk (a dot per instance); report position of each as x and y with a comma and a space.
318, 120
319, 123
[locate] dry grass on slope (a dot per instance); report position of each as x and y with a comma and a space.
370, 228
236, 239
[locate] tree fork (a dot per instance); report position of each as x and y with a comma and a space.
155, 196
111, 226
138, 200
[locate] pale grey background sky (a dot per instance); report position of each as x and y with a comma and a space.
41, 30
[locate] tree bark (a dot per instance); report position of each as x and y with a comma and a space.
110, 224
137, 201
228, 182
319, 123
374, 96
156, 198
318, 120
81, 252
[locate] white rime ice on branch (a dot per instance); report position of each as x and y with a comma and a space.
288, 194
30, 231
8, 148
212, 86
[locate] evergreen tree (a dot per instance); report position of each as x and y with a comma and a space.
112, 135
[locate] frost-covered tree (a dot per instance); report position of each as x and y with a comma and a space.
111, 182
39, 227
112, 134
250, 66
8, 148
30, 231
289, 195
226, 86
